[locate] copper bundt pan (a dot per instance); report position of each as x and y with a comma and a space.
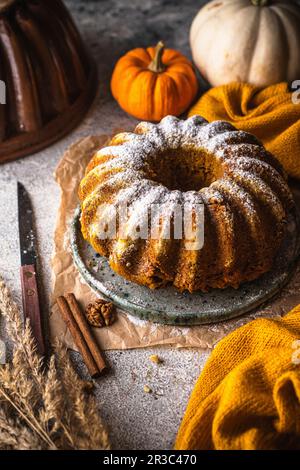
50, 78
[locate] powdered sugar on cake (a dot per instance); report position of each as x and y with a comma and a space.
188, 163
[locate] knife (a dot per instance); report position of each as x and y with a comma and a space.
28, 273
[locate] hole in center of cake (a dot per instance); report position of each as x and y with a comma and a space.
185, 169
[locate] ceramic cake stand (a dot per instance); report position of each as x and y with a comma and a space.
169, 306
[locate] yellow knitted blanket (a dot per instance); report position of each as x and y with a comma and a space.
268, 113
248, 395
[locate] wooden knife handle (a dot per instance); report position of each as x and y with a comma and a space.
31, 304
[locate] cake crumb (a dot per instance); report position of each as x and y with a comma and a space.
147, 389
154, 358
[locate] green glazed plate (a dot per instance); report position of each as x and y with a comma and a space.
167, 305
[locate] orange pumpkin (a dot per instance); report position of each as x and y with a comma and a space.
154, 82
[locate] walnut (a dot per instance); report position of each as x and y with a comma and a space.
100, 313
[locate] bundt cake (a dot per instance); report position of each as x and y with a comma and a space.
241, 186
49, 77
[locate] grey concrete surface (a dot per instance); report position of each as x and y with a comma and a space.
110, 27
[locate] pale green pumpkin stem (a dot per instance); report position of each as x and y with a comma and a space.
260, 3
157, 64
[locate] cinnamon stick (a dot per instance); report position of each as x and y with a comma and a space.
78, 337
86, 331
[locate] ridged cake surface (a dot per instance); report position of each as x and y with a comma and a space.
190, 162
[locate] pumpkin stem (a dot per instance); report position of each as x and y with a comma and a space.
260, 3
156, 65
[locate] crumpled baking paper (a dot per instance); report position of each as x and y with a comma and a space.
128, 331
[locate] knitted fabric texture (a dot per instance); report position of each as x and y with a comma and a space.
268, 113
248, 395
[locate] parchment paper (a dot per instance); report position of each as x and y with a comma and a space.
128, 331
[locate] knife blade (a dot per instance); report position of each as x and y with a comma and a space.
28, 272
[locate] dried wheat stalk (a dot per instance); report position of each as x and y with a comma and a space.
43, 408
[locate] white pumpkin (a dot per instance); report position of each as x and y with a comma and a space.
254, 41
